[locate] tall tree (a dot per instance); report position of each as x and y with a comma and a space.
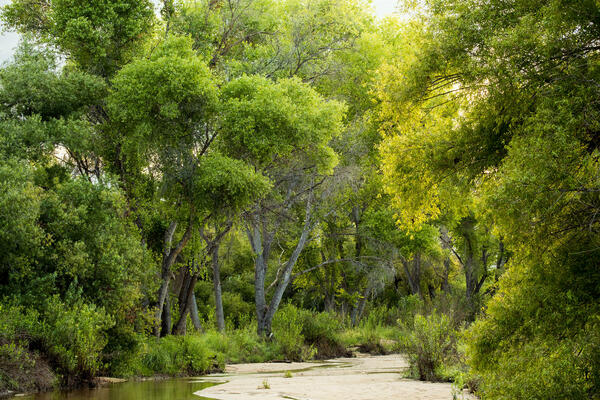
283, 130
512, 86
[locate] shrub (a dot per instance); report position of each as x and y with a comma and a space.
322, 330
21, 369
236, 309
177, 355
287, 330
430, 344
74, 338
244, 345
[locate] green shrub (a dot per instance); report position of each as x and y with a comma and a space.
430, 343
246, 346
75, 337
408, 307
287, 330
237, 311
21, 369
322, 330
178, 355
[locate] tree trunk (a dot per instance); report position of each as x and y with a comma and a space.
260, 270
194, 314
183, 288
413, 274
469, 267
445, 287
169, 256
166, 323
362, 304
180, 327
217, 288
264, 312
165, 275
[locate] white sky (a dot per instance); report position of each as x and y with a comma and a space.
9, 40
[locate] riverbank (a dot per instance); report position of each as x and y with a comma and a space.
364, 377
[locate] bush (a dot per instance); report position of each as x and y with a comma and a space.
75, 337
303, 334
287, 330
245, 345
322, 330
178, 355
71, 336
236, 309
21, 369
430, 344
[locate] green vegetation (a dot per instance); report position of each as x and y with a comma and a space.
270, 180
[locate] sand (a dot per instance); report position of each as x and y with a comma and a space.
360, 378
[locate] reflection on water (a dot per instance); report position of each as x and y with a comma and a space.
168, 389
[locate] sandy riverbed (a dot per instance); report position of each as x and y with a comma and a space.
360, 378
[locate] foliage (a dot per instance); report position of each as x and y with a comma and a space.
223, 183
75, 337
378, 177
98, 36
287, 330
175, 355
263, 120
429, 345
505, 135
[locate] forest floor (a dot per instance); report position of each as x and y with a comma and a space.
361, 378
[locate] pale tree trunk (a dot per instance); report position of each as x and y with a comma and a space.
412, 269
359, 307
445, 287
469, 267
261, 252
446, 244
169, 257
264, 312
217, 288
165, 276
194, 314
213, 245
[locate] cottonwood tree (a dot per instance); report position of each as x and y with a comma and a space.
222, 188
283, 130
161, 110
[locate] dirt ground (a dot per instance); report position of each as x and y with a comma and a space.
360, 378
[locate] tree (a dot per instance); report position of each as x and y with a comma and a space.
162, 109
99, 36
282, 129
502, 114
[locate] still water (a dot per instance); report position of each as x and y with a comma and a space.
168, 389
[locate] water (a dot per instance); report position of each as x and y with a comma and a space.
167, 389
161, 389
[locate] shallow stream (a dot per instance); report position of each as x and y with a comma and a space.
162, 389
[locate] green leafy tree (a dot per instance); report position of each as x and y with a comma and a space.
503, 96
99, 36
283, 130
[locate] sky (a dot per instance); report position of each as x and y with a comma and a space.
9, 40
